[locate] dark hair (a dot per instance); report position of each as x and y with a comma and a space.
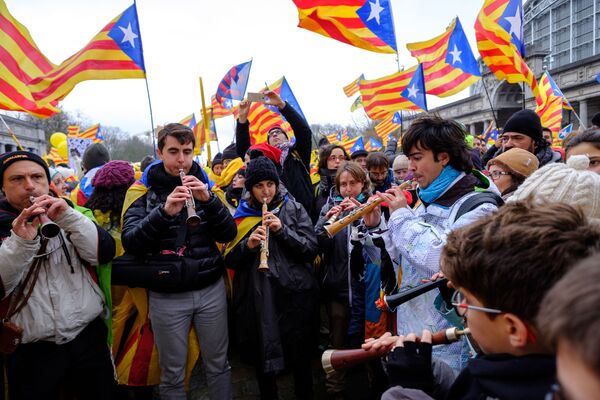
591, 136
430, 132
545, 128
569, 312
377, 160
357, 173
147, 160
326, 151
108, 200
510, 259
182, 133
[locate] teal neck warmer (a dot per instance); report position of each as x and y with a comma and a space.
439, 185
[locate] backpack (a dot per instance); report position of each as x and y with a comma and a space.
476, 200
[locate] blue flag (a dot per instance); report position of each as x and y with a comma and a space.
397, 118
415, 91
377, 17
375, 144
233, 85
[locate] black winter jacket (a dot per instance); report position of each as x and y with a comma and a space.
295, 175
148, 229
273, 309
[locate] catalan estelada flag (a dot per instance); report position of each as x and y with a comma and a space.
448, 62
200, 133
220, 110
262, 118
189, 121
388, 125
499, 33
373, 145
549, 89
94, 133
349, 145
415, 91
20, 62
234, 83
114, 53
381, 97
332, 138
72, 131
352, 88
550, 114
365, 24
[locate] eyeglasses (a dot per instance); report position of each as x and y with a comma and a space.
336, 158
276, 132
497, 174
458, 301
378, 174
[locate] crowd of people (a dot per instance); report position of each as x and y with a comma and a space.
122, 282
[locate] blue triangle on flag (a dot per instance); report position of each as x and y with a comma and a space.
415, 91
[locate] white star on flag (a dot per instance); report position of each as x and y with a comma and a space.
376, 10
456, 55
413, 91
128, 35
515, 23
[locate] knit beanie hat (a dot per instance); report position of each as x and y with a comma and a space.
518, 161
569, 183
113, 174
230, 152
359, 153
217, 160
526, 122
401, 161
10, 158
94, 156
260, 169
265, 149
53, 172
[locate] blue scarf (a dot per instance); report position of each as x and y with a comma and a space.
439, 185
244, 209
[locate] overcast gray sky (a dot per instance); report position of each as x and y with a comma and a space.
185, 39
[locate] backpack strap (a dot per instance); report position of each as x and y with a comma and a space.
475, 200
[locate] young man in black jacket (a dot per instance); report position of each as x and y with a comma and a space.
153, 224
295, 158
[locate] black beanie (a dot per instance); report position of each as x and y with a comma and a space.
258, 170
94, 156
10, 158
525, 122
359, 153
217, 160
230, 152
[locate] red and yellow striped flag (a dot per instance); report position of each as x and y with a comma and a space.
20, 61
220, 110
72, 131
352, 88
449, 65
496, 45
114, 53
388, 125
262, 119
358, 23
381, 97
551, 114
347, 145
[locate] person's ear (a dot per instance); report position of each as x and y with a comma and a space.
159, 153
517, 330
443, 158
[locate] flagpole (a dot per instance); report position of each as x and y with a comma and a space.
581, 124
14, 137
206, 126
212, 119
137, 18
490, 101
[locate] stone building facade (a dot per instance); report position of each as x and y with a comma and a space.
30, 137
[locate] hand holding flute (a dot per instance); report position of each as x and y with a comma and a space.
39, 216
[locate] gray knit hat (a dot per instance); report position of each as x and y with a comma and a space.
569, 183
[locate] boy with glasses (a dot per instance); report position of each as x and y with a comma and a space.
502, 266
